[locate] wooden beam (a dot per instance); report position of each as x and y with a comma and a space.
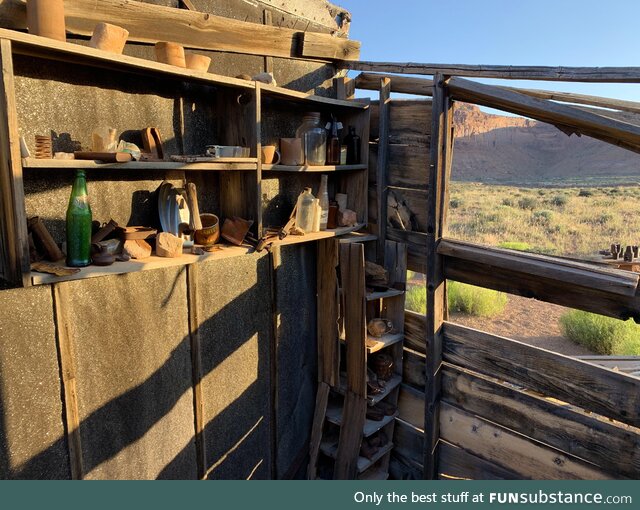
591, 124
577, 273
382, 166
527, 458
196, 368
614, 448
400, 84
14, 238
322, 398
568, 97
457, 463
267, 20
578, 74
187, 4
150, 23
611, 394
315, 45
327, 288
436, 293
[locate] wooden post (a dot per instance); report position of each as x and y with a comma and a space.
436, 284
383, 155
267, 19
14, 238
196, 368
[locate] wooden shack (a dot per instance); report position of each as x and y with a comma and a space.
247, 363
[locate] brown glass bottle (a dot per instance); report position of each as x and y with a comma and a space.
333, 145
352, 141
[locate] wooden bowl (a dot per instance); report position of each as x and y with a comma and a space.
210, 232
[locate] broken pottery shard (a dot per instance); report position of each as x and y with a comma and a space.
137, 249
168, 245
347, 218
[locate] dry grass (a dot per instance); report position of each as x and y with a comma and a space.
559, 221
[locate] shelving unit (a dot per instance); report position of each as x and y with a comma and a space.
243, 113
341, 425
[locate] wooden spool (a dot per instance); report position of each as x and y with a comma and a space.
170, 53
107, 37
46, 19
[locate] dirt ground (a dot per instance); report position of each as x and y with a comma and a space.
528, 321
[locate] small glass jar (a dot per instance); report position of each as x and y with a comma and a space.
314, 139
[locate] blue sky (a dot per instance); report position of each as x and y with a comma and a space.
506, 32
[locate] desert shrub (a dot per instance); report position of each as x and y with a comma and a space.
514, 245
416, 299
585, 193
559, 200
601, 334
456, 202
475, 300
542, 217
508, 202
527, 203
542, 192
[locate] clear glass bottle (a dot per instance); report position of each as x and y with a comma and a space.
323, 195
314, 139
306, 211
79, 224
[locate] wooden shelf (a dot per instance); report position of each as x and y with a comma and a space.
75, 164
330, 449
374, 475
371, 296
147, 264
357, 237
315, 236
372, 400
294, 95
308, 169
375, 344
334, 415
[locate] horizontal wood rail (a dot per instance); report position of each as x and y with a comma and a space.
570, 119
401, 84
150, 23
603, 443
581, 274
578, 74
458, 463
599, 390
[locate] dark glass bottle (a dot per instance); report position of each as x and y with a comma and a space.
352, 141
333, 145
79, 224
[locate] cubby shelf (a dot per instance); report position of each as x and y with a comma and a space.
334, 415
372, 400
330, 448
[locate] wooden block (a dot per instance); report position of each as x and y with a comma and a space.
315, 45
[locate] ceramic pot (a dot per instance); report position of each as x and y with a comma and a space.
170, 53
270, 156
109, 38
198, 62
291, 151
210, 232
46, 19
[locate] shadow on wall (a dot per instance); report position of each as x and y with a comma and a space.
235, 346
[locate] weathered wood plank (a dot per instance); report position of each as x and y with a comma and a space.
408, 166
413, 371
577, 273
516, 453
547, 73
408, 440
436, 284
400, 84
327, 288
67, 356
612, 394
315, 45
458, 463
382, 164
416, 245
354, 410
410, 122
542, 289
149, 23
576, 119
411, 406
322, 398
614, 448
415, 330
14, 239
196, 367
569, 97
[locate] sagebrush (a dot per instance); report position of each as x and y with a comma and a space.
601, 334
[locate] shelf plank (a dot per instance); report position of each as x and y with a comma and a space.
330, 449
372, 400
43, 47
307, 169
74, 164
357, 237
375, 344
315, 236
148, 264
334, 415
372, 296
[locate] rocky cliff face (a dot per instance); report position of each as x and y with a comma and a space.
513, 150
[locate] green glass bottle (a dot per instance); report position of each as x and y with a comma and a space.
79, 224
